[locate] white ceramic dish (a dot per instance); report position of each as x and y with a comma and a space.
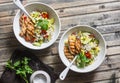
98, 60
40, 77
33, 7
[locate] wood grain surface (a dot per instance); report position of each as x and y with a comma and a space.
104, 15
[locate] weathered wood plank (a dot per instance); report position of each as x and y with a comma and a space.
117, 80
59, 67
10, 34
56, 4
1, 73
6, 29
95, 19
111, 63
108, 37
92, 19
113, 50
87, 77
110, 32
5, 1
104, 29
8, 42
112, 38
6, 20
47, 57
70, 3
104, 67
2, 66
81, 10
86, 9
55, 59
6, 36
7, 6
8, 13
113, 43
91, 77
7, 32
109, 28
80, 3
10, 6
77, 10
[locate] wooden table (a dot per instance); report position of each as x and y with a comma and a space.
104, 15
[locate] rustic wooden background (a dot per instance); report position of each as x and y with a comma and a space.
104, 15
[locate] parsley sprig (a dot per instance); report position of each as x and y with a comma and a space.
43, 23
21, 67
82, 60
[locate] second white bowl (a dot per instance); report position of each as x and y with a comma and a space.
99, 59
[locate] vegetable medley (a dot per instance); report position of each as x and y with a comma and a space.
39, 30
88, 48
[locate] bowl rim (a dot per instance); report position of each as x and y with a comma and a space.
77, 26
40, 72
39, 48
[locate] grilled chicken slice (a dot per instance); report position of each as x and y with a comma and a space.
78, 45
27, 28
67, 53
71, 44
72, 47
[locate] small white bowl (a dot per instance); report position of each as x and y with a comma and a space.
98, 60
40, 77
33, 7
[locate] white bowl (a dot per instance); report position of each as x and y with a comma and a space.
33, 7
40, 77
98, 60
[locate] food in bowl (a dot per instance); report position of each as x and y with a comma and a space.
40, 7
82, 44
99, 58
39, 30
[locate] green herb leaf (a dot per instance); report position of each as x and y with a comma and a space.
43, 24
9, 65
16, 64
21, 67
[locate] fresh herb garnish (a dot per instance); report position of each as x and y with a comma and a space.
82, 60
21, 67
43, 23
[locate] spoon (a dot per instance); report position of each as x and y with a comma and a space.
65, 71
19, 4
